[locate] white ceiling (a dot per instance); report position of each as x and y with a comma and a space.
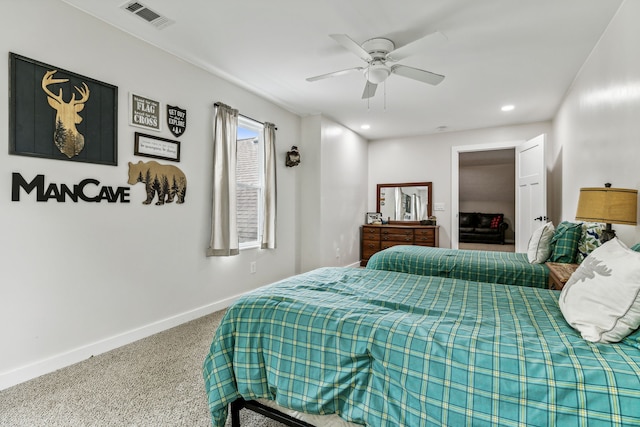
520, 52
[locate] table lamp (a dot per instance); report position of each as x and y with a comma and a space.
608, 205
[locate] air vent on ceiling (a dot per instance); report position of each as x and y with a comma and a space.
147, 14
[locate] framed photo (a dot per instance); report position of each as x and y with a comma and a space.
144, 112
58, 114
156, 147
372, 217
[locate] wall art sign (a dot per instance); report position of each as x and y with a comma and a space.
156, 147
87, 190
168, 182
144, 112
176, 120
57, 114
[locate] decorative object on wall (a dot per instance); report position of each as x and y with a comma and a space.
42, 124
167, 181
144, 112
87, 190
293, 157
156, 147
608, 205
176, 120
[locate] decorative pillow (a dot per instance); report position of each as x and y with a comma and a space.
636, 247
540, 244
564, 245
484, 220
601, 299
495, 222
467, 219
590, 239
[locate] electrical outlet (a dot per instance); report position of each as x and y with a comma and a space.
438, 206
252, 267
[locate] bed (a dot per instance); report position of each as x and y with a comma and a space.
507, 268
382, 348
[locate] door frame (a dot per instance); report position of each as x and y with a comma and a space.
455, 178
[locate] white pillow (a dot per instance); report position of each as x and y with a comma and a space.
540, 244
601, 299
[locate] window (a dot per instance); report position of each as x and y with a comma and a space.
249, 181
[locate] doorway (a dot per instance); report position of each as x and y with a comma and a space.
530, 184
478, 185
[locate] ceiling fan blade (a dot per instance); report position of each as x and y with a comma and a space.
334, 74
417, 74
348, 43
417, 46
369, 90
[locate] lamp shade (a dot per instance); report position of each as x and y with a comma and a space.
608, 205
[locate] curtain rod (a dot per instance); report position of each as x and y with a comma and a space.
217, 104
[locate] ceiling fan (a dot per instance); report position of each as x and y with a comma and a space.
377, 52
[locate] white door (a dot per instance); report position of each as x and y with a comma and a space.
531, 190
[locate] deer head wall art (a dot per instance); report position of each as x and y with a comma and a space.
66, 137
58, 114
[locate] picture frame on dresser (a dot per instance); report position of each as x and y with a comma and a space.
372, 217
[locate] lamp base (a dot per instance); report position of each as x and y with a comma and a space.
607, 234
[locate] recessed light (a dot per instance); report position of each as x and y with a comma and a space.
507, 107
365, 127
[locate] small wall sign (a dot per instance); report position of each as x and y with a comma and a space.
176, 120
156, 147
144, 112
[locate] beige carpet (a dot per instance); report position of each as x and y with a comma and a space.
155, 382
487, 247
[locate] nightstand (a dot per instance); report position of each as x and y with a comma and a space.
559, 273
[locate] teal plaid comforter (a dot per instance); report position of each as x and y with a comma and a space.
507, 268
390, 349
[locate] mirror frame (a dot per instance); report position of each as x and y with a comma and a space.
405, 184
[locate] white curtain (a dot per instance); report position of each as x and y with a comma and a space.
224, 226
269, 193
399, 205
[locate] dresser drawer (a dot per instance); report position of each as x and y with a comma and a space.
369, 250
370, 237
371, 233
396, 231
399, 235
425, 237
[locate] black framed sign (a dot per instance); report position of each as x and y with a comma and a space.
156, 147
57, 114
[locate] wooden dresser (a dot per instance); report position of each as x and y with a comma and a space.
375, 238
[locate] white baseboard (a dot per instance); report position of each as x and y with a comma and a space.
62, 360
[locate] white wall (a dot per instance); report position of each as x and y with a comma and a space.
597, 128
428, 158
81, 278
489, 189
333, 193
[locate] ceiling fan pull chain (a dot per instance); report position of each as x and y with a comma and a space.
385, 95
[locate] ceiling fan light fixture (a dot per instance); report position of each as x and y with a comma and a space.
377, 73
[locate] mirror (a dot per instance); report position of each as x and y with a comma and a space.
404, 202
